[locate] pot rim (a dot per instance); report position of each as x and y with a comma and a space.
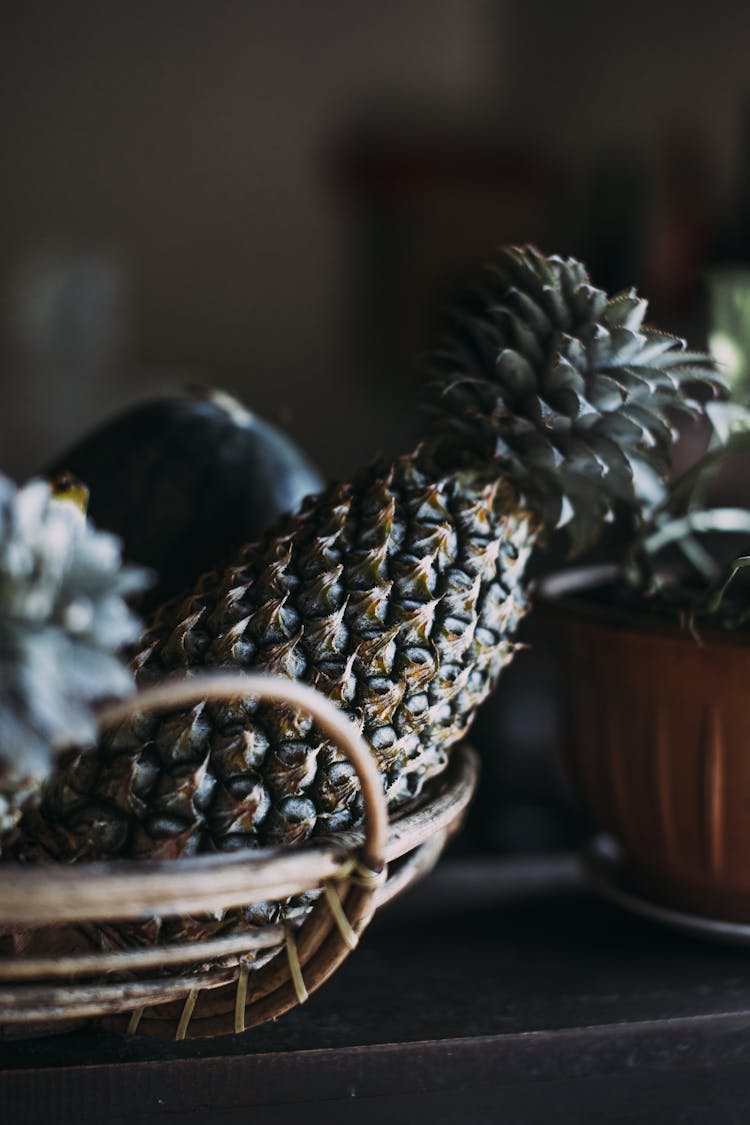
562, 594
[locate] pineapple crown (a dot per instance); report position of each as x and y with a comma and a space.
568, 388
62, 619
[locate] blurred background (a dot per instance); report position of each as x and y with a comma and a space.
276, 199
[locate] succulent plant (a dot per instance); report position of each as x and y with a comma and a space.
63, 620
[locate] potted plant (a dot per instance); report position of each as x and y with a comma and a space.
656, 672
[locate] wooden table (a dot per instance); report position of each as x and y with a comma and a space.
495, 992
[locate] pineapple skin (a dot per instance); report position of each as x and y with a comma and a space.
397, 596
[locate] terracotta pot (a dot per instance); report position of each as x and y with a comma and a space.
658, 745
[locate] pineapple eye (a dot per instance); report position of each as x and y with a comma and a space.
103, 824
241, 787
485, 637
162, 826
382, 738
297, 809
455, 625
145, 773
449, 673
293, 819
344, 773
417, 704
378, 685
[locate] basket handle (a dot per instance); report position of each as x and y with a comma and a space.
189, 690
318, 953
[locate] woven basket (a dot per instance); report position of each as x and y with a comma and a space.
230, 983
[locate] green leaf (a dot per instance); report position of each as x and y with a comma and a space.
728, 419
735, 520
741, 563
626, 310
516, 373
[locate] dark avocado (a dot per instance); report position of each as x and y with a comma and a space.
184, 480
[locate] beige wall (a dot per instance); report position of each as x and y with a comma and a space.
166, 159
181, 143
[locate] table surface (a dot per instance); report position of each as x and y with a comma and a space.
497, 990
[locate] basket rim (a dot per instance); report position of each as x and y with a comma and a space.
29, 994
328, 932
97, 891
81, 892
127, 890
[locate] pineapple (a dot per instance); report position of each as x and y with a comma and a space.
399, 594
62, 619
